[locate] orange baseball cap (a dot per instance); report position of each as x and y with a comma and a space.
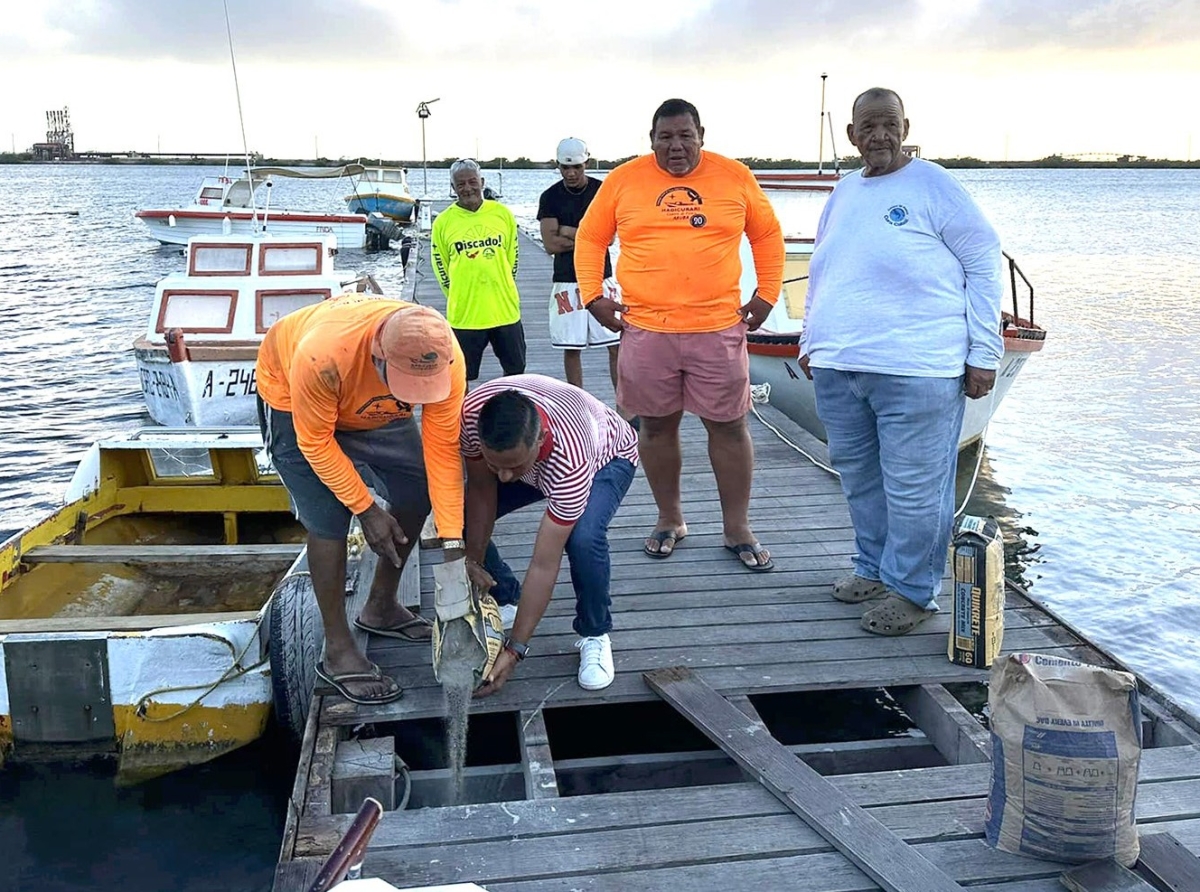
417, 345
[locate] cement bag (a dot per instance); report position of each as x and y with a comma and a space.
1066, 743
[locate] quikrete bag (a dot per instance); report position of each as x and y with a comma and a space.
977, 618
1066, 745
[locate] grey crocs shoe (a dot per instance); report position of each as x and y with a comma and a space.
896, 615
856, 589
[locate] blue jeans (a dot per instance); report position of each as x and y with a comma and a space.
894, 440
587, 546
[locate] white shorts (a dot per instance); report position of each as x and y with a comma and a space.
571, 326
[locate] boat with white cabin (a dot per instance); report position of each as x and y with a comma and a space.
775, 347
196, 357
382, 190
236, 205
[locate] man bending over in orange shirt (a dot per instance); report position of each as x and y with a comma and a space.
679, 214
337, 384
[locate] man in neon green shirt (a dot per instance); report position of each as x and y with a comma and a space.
475, 256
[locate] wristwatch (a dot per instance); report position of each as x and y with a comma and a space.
453, 545
516, 648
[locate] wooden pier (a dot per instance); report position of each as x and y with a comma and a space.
615, 790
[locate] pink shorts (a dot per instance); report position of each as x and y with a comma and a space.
705, 373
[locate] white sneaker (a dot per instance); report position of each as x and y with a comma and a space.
595, 663
508, 615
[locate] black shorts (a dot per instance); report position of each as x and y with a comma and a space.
389, 459
508, 343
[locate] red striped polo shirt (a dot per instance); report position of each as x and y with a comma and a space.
586, 435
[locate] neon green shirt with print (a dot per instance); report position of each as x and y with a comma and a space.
475, 256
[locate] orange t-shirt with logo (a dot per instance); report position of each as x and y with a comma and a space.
678, 268
316, 364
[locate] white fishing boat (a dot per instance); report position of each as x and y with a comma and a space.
775, 348
134, 619
382, 190
236, 205
804, 181
196, 358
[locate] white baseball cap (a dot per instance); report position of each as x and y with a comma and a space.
573, 151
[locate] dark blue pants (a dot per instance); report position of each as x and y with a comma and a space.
587, 546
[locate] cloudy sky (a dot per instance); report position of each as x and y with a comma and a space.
989, 78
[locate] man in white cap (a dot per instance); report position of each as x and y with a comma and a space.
337, 385
560, 210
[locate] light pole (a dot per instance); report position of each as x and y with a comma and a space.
423, 113
821, 129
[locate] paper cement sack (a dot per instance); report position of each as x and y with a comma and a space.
1066, 743
977, 617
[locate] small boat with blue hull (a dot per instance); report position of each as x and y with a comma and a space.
382, 190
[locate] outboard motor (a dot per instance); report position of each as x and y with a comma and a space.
381, 232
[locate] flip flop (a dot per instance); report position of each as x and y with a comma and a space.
751, 548
401, 631
660, 537
339, 682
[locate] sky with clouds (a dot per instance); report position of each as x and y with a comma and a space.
990, 78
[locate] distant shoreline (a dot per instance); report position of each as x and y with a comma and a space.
1052, 162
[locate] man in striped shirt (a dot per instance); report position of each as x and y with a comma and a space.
527, 438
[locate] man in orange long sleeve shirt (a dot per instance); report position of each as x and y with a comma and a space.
337, 383
679, 214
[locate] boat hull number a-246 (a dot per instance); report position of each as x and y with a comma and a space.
235, 382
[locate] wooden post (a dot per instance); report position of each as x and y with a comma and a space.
537, 764
363, 769
948, 725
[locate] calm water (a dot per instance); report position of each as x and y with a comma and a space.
1092, 460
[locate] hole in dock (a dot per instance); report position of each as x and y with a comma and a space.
421, 743
622, 747
808, 717
974, 698
493, 766
620, 729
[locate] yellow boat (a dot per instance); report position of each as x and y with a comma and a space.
134, 620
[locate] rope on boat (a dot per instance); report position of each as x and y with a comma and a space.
235, 671
761, 393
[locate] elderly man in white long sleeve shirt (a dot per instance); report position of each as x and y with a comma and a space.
902, 325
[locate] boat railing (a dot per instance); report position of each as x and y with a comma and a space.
345, 861
1014, 272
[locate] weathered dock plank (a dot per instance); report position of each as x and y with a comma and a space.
867, 843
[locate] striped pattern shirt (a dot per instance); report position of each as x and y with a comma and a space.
585, 435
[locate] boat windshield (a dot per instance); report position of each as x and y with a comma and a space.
239, 195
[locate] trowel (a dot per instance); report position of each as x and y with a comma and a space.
456, 600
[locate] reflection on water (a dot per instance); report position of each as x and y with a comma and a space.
68, 828
985, 497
